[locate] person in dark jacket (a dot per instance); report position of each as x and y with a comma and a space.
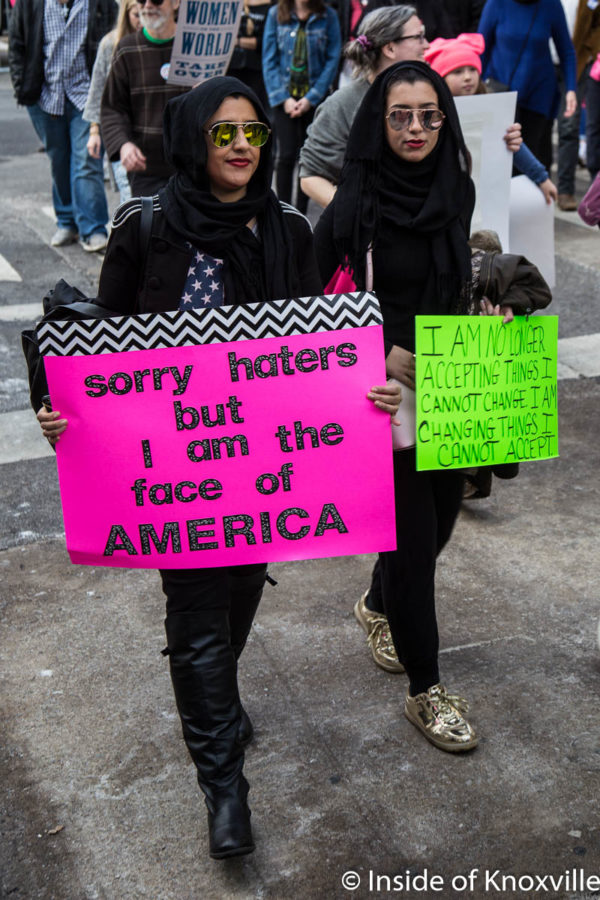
217, 213
246, 60
464, 15
52, 48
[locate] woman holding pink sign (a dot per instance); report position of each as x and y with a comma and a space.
219, 236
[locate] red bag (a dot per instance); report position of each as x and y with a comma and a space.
342, 280
589, 208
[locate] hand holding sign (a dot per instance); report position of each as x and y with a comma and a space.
224, 447
486, 391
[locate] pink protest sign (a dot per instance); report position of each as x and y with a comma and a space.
225, 436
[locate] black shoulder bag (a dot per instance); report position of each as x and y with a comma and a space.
67, 303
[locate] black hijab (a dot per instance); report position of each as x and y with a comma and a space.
254, 269
434, 198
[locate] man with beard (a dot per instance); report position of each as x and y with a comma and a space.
135, 97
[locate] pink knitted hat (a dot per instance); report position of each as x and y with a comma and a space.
446, 55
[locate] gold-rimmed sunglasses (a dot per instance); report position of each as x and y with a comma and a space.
431, 119
224, 133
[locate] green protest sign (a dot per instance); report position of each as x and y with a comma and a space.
486, 392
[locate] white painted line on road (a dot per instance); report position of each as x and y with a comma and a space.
7, 273
508, 637
581, 355
22, 437
563, 372
21, 312
49, 211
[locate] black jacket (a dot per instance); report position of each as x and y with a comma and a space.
129, 285
464, 15
26, 44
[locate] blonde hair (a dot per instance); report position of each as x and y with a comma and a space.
123, 24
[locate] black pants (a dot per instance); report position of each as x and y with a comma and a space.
290, 135
537, 134
427, 505
195, 590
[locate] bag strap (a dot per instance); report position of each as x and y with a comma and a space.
81, 309
146, 216
516, 66
369, 269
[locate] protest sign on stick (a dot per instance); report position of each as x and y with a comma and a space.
223, 436
204, 40
486, 392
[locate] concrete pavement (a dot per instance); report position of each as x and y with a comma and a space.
100, 801
340, 780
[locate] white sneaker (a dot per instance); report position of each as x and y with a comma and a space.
95, 242
63, 236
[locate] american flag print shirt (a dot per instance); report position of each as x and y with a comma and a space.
204, 286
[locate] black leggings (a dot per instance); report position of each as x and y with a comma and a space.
427, 505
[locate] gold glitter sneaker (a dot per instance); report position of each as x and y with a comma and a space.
379, 638
440, 716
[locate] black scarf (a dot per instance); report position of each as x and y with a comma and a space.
253, 269
433, 198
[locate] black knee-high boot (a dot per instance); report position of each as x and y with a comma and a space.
246, 585
204, 674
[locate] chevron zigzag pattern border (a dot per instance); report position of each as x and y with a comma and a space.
156, 331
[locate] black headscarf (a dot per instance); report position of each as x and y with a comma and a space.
253, 269
433, 198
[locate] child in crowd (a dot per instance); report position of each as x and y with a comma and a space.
458, 61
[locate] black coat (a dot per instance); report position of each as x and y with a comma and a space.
127, 285
464, 15
26, 44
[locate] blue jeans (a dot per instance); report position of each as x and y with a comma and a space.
122, 181
77, 179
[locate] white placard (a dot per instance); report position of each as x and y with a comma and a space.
204, 40
484, 119
531, 230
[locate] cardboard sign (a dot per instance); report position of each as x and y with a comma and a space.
486, 392
223, 436
531, 227
484, 119
204, 40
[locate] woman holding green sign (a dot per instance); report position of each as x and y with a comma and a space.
406, 193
